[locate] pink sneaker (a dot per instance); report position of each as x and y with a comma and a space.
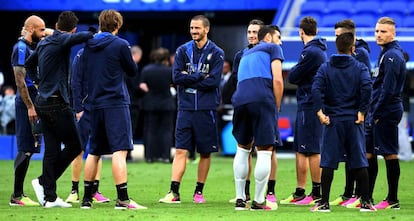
386, 204
309, 200
99, 198
271, 198
350, 201
199, 198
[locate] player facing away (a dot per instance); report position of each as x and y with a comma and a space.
341, 92
256, 102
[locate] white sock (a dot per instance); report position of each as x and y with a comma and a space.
240, 169
261, 174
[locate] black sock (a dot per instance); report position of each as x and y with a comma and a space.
327, 177
199, 188
87, 196
122, 191
316, 189
349, 182
175, 187
95, 186
393, 176
21, 164
361, 176
247, 188
372, 174
299, 191
75, 186
271, 186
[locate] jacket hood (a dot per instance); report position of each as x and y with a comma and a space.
100, 41
362, 44
341, 60
317, 42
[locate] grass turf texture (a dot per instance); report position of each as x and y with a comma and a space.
149, 182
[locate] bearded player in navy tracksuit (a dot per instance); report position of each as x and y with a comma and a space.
341, 92
197, 72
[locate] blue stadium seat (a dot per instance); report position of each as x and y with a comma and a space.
398, 19
364, 21
344, 7
313, 7
408, 21
410, 8
389, 8
367, 7
330, 20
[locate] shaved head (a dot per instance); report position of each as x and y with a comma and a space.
34, 28
33, 21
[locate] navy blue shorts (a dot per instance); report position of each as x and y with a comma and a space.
386, 134
255, 121
24, 135
197, 130
308, 131
341, 137
111, 130
84, 128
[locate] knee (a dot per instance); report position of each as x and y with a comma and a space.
180, 153
205, 155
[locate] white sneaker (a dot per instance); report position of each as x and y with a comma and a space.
57, 203
40, 192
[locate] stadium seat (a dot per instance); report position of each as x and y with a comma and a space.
408, 21
335, 7
330, 20
364, 21
367, 7
410, 8
313, 7
396, 8
398, 19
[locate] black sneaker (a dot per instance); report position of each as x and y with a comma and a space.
321, 207
259, 206
86, 204
367, 207
241, 205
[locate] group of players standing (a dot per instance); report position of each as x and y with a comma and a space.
338, 117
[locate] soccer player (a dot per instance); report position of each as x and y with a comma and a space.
341, 92
197, 72
252, 30
386, 110
349, 198
307, 127
52, 105
33, 30
254, 114
255, 108
82, 109
108, 59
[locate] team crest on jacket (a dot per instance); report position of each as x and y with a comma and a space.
209, 56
